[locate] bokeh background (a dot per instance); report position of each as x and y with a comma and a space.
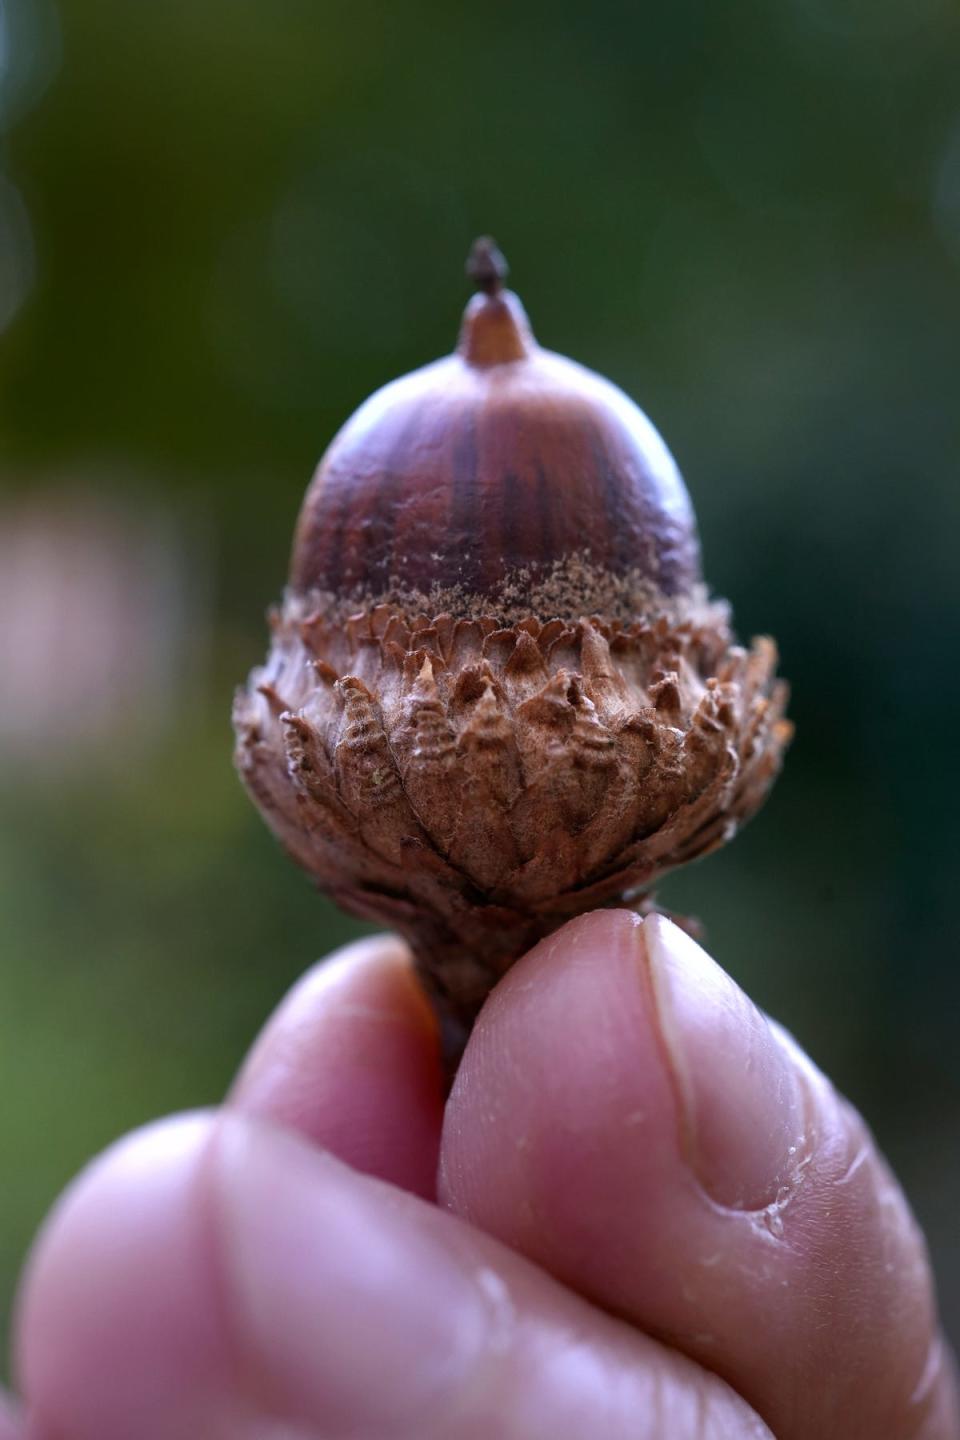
221, 225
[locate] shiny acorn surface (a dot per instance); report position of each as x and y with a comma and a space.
501, 458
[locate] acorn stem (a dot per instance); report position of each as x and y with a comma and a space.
495, 328
486, 266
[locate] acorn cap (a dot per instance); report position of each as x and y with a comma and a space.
501, 459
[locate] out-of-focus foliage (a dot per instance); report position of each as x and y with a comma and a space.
221, 226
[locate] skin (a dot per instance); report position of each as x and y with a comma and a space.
642, 1213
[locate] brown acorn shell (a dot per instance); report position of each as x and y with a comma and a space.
474, 783
498, 461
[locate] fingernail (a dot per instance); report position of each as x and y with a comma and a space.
355, 1316
740, 1098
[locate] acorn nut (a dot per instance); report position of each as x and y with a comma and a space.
498, 693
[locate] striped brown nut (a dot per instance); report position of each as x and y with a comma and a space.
498, 692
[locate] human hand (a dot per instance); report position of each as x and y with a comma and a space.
643, 1187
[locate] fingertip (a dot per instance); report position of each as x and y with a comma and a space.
626, 1117
117, 1284
351, 1061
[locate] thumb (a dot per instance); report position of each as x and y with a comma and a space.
627, 1118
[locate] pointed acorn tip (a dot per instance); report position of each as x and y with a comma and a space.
495, 327
486, 266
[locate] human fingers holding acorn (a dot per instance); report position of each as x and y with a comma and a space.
498, 696
656, 1220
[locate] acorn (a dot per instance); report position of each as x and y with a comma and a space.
498, 692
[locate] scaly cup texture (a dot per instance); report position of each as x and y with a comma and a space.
498, 693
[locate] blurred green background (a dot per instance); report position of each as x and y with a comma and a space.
221, 225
